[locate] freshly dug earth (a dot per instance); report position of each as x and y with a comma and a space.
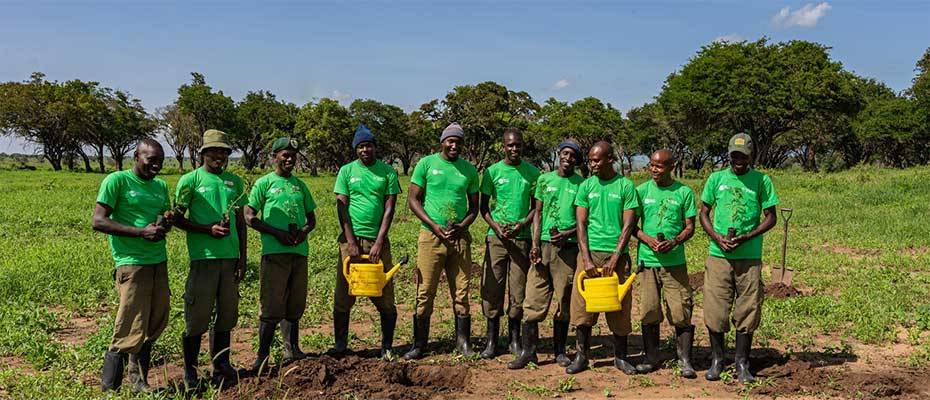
796, 377
779, 290
335, 378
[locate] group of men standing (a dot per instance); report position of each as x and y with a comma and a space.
544, 230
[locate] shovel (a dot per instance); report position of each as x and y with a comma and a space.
783, 274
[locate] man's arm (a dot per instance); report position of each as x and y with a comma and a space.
770, 218
725, 244
415, 203
581, 215
681, 237
525, 221
629, 224
215, 229
345, 223
485, 201
101, 222
243, 243
390, 202
536, 232
252, 220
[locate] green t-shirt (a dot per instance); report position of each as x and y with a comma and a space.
606, 201
366, 188
557, 195
446, 185
738, 201
512, 190
206, 197
137, 203
664, 209
281, 201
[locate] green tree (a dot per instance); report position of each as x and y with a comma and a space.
261, 118
586, 121
893, 131
326, 129
126, 124
389, 124
177, 128
210, 110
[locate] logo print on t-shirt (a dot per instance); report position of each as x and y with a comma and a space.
354, 179
436, 172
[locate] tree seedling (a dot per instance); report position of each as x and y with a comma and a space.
232, 207
736, 211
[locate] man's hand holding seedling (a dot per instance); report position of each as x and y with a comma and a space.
218, 231
153, 232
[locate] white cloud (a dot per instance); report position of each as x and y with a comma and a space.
560, 84
340, 96
805, 17
730, 38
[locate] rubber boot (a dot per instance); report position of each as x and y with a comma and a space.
559, 338
684, 340
266, 332
582, 347
290, 332
223, 372
620, 354
717, 347
420, 338
112, 377
513, 335
650, 349
494, 328
191, 348
530, 336
463, 335
340, 333
139, 365
388, 322
743, 345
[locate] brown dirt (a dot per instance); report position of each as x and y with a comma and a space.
335, 378
779, 290
696, 280
853, 252
796, 377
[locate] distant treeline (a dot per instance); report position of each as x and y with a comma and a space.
800, 106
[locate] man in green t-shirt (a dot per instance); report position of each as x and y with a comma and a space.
212, 198
739, 196
129, 209
510, 182
553, 257
366, 193
281, 208
605, 208
444, 196
667, 211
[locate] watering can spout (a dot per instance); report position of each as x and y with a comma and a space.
390, 274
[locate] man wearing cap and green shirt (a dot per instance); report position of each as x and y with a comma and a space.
366, 193
605, 208
553, 257
212, 198
667, 211
281, 208
129, 204
444, 196
739, 196
510, 182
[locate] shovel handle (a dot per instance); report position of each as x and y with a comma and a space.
786, 213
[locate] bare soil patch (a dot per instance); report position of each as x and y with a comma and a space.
797, 377
779, 290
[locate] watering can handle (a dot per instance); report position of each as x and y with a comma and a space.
580, 280
345, 264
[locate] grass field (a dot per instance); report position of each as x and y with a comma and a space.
859, 242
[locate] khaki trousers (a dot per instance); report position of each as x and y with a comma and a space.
669, 287
619, 322
733, 285
435, 256
283, 287
505, 269
143, 306
551, 281
211, 285
343, 301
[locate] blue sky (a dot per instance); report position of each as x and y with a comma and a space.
406, 53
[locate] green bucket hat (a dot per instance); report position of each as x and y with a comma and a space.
284, 143
741, 143
214, 138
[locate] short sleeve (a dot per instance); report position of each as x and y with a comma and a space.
393, 183
184, 192
487, 184
767, 194
240, 192
708, 194
167, 204
342, 187
109, 191
690, 208
473, 185
257, 195
630, 199
419, 173
581, 198
537, 190
640, 194
309, 204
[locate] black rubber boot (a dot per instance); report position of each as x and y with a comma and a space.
717, 348
559, 338
513, 336
650, 349
582, 347
743, 345
340, 333
191, 348
620, 354
266, 332
684, 340
139, 365
112, 377
388, 322
420, 338
530, 336
223, 372
290, 332
463, 335
494, 329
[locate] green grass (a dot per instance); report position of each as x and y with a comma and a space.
860, 242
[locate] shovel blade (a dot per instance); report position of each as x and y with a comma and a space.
783, 275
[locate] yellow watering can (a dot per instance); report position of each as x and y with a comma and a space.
604, 294
368, 279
